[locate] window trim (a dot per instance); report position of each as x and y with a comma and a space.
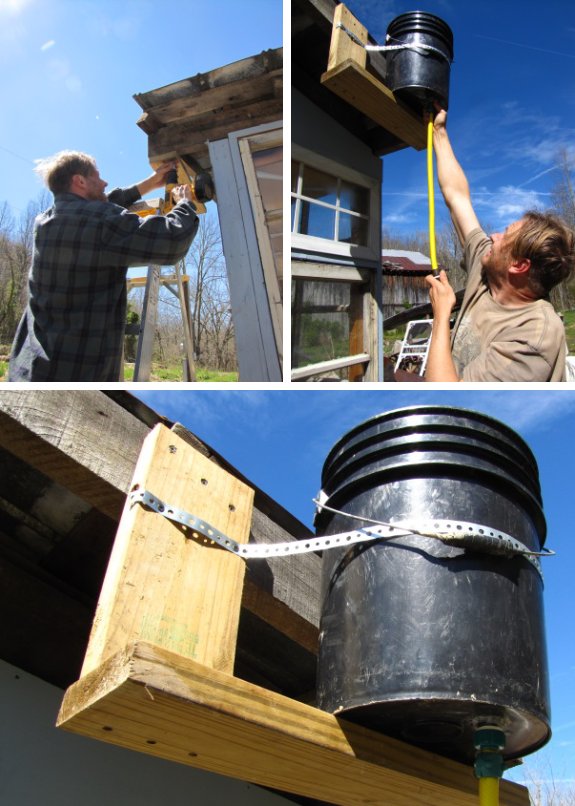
340, 171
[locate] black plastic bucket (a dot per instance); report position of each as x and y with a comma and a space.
418, 639
420, 75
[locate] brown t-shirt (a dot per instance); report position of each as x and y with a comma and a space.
492, 342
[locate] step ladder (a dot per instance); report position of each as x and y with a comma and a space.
178, 284
415, 346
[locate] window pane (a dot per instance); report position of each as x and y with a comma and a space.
317, 221
355, 198
318, 185
352, 229
269, 174
268, 165
326, 319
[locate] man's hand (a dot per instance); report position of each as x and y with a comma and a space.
157, 179
181, 193
441, 295
440, 366
440, 119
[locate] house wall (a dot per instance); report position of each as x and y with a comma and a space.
256, 347
43, 766
314, 129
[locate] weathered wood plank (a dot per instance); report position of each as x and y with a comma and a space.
156, 702
252, 67
82, 440
219, 99
191, 136
163, 585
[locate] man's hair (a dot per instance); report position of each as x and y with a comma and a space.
57, 171
549, 244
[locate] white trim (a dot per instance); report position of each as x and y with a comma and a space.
340, 171
327, 366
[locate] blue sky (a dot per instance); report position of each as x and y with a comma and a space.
280, 439
69, 69
512, 106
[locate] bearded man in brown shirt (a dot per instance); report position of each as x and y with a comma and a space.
506, 330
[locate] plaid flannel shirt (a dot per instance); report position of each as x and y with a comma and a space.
73, 325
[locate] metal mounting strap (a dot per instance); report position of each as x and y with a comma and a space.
455, 533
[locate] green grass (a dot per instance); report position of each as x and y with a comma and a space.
569, 322
173, 374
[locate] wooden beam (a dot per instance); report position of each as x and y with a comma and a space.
348, 78
163, 585
82, 440
154, 701
89, 443
343, 46
365, 92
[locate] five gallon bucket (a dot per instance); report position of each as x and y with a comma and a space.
422, 640
419, 71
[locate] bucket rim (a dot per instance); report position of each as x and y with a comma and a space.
433, 408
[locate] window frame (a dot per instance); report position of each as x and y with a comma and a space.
341, 172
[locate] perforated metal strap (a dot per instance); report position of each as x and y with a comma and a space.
455, 533
417, 46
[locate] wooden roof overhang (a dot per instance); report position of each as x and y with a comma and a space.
347, 83
181, 118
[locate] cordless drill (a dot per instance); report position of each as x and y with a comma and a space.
200, 184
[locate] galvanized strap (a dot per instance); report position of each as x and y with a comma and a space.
417, 46
454, 533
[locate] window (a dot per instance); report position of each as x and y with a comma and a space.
329, 207
328, 330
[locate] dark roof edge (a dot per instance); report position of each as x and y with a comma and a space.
264, 502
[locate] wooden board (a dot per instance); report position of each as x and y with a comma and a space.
347, 76
162, 585
154, 701
365, 92
82, 440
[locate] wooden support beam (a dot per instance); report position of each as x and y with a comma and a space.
82, 440
343, 46
154, 701
348, 78
162, 585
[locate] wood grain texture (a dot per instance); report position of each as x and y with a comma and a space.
162, 585
365, 92
151, 700
82, 440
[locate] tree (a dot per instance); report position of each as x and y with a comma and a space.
563, 192
212, 327
16, 240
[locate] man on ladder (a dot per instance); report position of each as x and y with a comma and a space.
73, 325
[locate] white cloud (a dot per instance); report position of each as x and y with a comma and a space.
507, 202
47, 45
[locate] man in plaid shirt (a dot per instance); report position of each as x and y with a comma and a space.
73, 326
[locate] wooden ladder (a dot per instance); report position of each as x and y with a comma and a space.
178, 284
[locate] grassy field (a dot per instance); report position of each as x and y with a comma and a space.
569, 321
173, 374
162, 374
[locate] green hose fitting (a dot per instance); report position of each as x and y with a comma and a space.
489, 742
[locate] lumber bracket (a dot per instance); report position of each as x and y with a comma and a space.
347, 76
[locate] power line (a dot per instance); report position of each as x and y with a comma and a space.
14, 154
